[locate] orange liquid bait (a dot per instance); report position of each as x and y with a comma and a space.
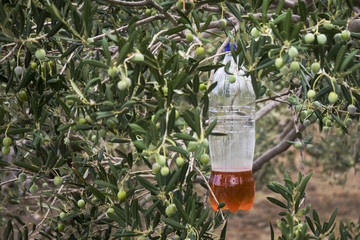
235, 189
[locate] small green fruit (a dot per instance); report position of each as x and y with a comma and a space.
22, 96
205, 143
62, 215
122, 85
295, 66
348, 122
204, 158
298, 144
328, 26
19, 70
110, 210
255, 32
45, 185
61, 227
338, 38
161, 160
307, 123
112, 72
57, 180
121, 195
40, 54
321, 39
34, 188
93, 137
164, 171
303, 115
345, 35
189, 37
202, 87
165, 90
351, 109
222, 23
316, 104
309, 38
170, 210
179, 161
7, 141
110, 123
102, 133
148, 12
284, 70
138, 57
333, 97
82, 121
199, 51
192, 146
315, 67
293, 52
5, 150
311, 93
22, 177
180, 5
33, 65
128, 82
156, 168
81, 203
279, 63
232, 79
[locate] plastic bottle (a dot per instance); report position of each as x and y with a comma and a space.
232, 146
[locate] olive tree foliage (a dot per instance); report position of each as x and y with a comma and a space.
105, 104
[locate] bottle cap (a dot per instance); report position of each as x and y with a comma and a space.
227, 47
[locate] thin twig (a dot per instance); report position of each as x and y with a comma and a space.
9, 54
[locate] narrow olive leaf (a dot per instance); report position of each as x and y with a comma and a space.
28, 76
119, 140
151, 208
116, 218
175, 30
173, 223
105, 184
96, 193
210, 128
14, 131
280, 7
55, 29
223, 232
146, 184
347, 60
304, 183
181, 210
95, 63
277, 202
206, 24
171, 183
101, 115
202, 218
26, 166
340, 57
178, 150
105, 48
184, 136
209, 67
140, 145
136, 128
234, 10
311, 225
265, 7
271, 231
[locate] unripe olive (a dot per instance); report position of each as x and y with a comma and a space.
57, 180
82, 121
61, 227
279, 62
33, 65
110, 210
316, 104
7, 141
255, 32
138, 57
351, 109
309, 38
62, 215
189, 37
204, 158
232, 79
199, 51
321, 39
298, 144
179, 161
121, 195
333, 97
112, 72
307, 123
122, 85
202, 87
34, 188
45, 185
161, 160
315, 67
5, 150
156, 168
345, 35
170, 210
19, 70
222, 23
22, 95
164, 171
338, 38
22, 177
348, 122
192, 146
147, 12
311, 93
293, 52
81, 203
102, 133
180, 5
295, 66
328, 26
40, 54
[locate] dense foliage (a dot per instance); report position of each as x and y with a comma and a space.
103, 108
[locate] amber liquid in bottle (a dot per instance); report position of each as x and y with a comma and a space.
235, 189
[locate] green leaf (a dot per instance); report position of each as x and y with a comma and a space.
105, 184
136, 128
181, 210
97, 193
234, 10
184, 136
146, 184
173, 223
26, 166
95, 63
348, 60
277, 202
